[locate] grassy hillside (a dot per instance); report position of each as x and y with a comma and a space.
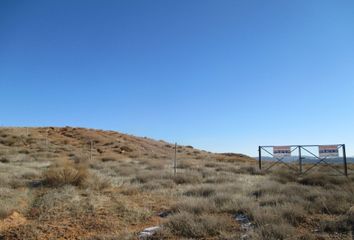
75, 183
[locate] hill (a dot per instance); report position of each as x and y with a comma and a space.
87, 184
80, 144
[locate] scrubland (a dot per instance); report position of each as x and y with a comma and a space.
74, 183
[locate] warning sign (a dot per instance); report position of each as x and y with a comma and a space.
281, 151
328, 151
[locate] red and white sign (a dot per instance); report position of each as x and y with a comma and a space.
328, 151
281, 151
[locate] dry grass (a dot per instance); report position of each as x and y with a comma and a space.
188, 225
130, 180
65, 173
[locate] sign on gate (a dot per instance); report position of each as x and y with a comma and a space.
281, 151
328, 151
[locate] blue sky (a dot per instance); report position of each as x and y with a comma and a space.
218, 75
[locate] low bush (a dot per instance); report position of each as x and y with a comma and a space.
194, 206
341, 225
293, 213
4, 160
284, 176
277, 231
186, 178
188, 225
65, 174
324, 180
201, 191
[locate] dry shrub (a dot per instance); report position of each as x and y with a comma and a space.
188, 225
184, 164
200, 191
108, 159
248, 170
4, 212
66, 173
97, 183
147, 176
126, 170
266, 215
194, 206
13, 200
211, 164
324, 180
284, 176
156, 164
219, 179
236, 204
187, 178
158, 184
58, 203
4, 160
293, 213
277, 231
330, 202
127, 211
340, 225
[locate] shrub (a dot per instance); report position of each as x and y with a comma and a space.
284, 176
201, 191
293, 213
318, 179
184, 164
186, 178
66, 174
278, 231
108, 159
248, 170
4, 160
197, 226
340, 225
194, 206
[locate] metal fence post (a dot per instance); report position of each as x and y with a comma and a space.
91, 148
175, 161
345, 161
300, 159
260, 157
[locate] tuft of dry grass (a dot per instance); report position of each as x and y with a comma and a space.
201, 191
194, 206
188, 225
323, 180
279, 231
65, 173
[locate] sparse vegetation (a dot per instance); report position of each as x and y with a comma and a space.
122, 188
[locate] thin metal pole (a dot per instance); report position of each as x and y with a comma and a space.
300, 159
46, 141
175, 161
260, 157
345, 161
91, 148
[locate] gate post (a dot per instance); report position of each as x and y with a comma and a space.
260, 157
345, 161
300, 160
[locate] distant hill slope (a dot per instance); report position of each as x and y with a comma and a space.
79, 144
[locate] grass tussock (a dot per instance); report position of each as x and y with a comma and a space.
66, 173
185, 224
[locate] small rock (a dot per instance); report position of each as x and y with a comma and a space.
148, 232
245, 222
163, 214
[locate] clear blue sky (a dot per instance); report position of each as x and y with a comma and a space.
218, 75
